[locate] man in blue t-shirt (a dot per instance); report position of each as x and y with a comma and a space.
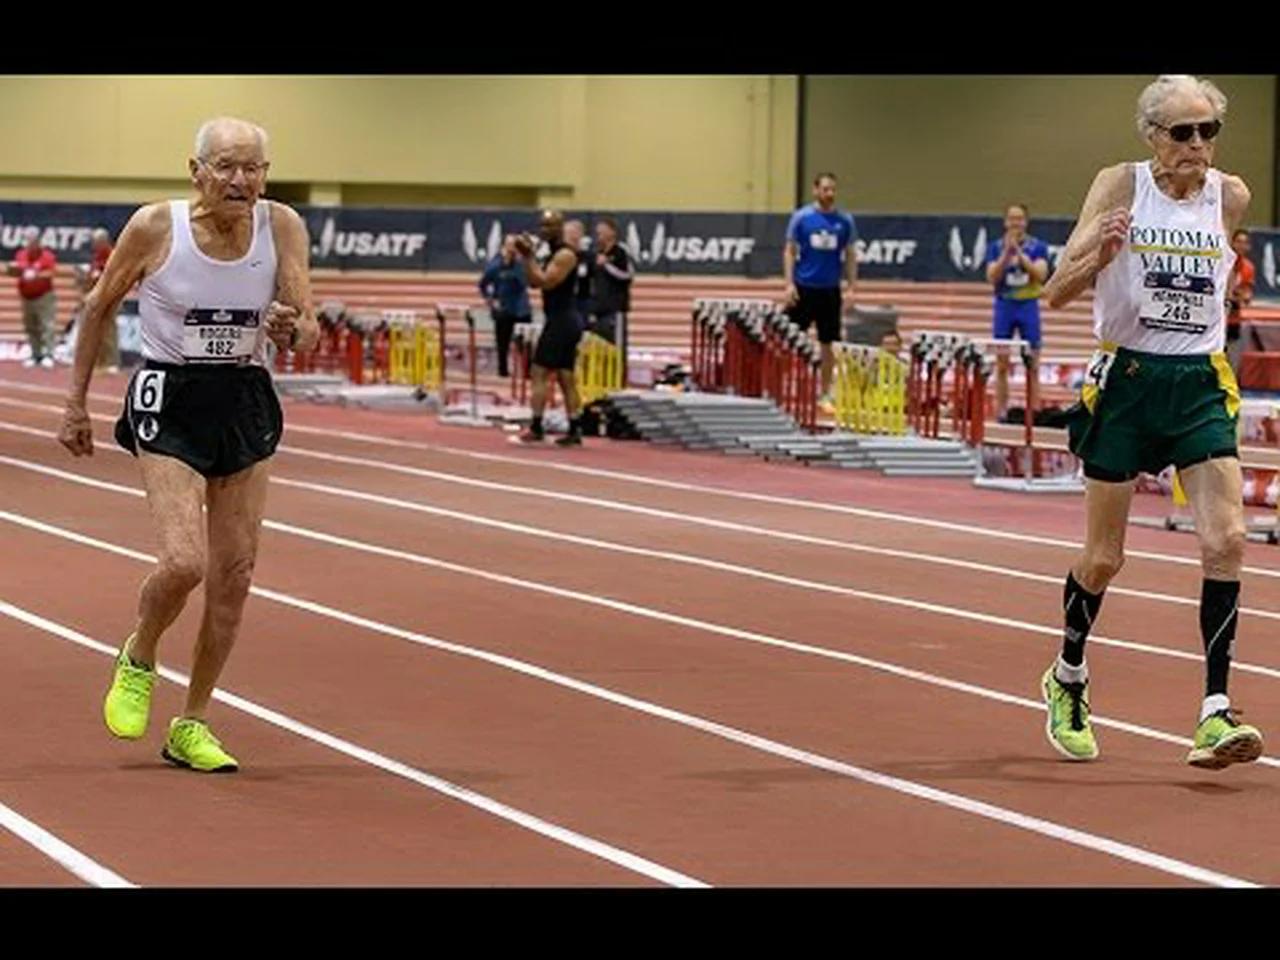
818, 251
1016, 266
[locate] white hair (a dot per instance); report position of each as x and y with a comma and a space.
1152, 100
204, 136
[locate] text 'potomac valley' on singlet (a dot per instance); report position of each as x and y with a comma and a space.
1165, 291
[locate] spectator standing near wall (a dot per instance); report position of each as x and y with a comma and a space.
575, 238
1239, 296
1017, 266
109, 353
611, 282
507, 292
820, 268
35, 266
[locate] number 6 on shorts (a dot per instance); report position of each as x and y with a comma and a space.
148, 391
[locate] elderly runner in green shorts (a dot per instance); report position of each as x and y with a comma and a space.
1153, 240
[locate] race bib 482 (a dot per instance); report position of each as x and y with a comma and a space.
220, 335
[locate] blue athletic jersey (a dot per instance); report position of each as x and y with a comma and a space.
821, 238
1016, 283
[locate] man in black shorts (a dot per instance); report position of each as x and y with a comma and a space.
820, 266
217, 276
557, 347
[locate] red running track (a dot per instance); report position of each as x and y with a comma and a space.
472, 664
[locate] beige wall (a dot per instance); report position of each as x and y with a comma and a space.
444, 130
712, 143
727, 143
970, 144
694, 143
89, 189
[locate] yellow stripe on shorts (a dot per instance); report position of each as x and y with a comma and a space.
1227, 381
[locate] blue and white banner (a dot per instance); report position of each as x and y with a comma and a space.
927, 248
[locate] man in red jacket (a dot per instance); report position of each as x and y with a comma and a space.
34, 266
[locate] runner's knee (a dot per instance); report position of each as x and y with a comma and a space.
182, 571
230, 579
1222, 549
1099, 566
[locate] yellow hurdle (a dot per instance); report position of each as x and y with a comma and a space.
429, 356
599, 368
870, 391
416, 358
402, 359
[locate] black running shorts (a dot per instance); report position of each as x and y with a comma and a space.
218, 419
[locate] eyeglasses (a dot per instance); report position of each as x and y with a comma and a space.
1181, 132
226, 169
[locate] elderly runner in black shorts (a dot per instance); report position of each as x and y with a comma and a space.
217, 276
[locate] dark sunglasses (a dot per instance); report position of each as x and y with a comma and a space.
1181, 132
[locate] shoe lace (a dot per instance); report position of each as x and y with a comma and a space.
1079, 705
1229, 715
190, 733
137, 683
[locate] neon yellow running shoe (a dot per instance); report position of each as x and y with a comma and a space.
1068, 727
191, 744
1221, 740
128, 703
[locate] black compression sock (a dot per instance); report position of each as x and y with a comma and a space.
1080, 609
1219, 611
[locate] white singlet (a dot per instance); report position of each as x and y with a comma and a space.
1165, 291
196, 309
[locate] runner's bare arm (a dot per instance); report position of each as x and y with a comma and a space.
1104, 217
291, 319
561, 266
1235, 203
144, 240
143, 243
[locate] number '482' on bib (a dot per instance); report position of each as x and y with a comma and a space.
220, 335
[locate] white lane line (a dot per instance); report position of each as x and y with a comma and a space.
1011, 818
589, 845
59, 851
628, 608
641, 479
886, 599
604, 503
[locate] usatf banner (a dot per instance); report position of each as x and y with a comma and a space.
934, 248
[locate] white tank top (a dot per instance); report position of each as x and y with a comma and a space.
1166, 289
196, 309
